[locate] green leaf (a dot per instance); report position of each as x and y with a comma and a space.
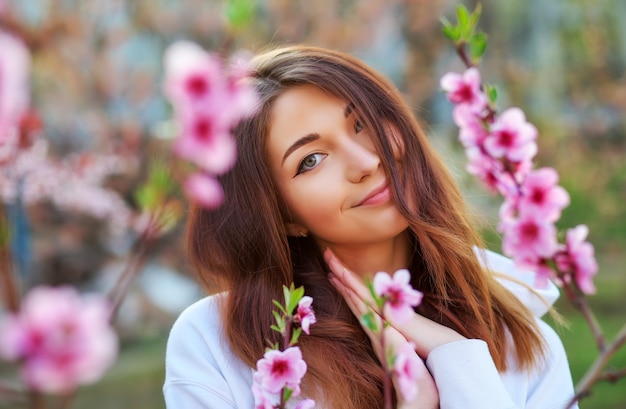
280, 321
369, 320
478, 44
296, 296
275, 328
380, 301
295, 336
239, 13
492, 93
463, 15
147, 198
287, 392
280, 307
287, 297
152, 194
475, 16
452, 32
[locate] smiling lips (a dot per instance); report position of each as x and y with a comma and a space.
378, 196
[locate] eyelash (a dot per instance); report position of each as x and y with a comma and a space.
358, 127
301, 165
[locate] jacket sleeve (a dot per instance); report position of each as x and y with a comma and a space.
467, 377
193, 379
538, 298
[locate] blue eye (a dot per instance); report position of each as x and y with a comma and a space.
310, 162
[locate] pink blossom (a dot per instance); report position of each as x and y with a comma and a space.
399, 296
465, 89
60, 338
193, 76
14, 88
204, 189
207, 142
519, 170
262, 398
542, 195
72, 184
512, 137
280, 369
579, 258
490, 171
208, 102
407, 367
305, 404
529, 238
197, 84
539, 267
239, 65
472, 132
305, 314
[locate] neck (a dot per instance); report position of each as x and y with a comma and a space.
366, 260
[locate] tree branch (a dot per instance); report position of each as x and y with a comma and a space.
594, 373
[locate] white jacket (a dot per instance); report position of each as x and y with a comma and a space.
202, 371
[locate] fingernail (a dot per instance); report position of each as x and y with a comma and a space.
328, 255
335, 266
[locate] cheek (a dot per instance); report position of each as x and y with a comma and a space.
314, 204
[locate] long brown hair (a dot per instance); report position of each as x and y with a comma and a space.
243, 247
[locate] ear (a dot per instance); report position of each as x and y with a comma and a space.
296, 230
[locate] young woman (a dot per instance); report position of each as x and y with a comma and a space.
335, 181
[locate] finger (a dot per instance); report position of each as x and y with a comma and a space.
347, 277
425, 333
356, 305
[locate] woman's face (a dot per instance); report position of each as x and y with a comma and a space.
328, 171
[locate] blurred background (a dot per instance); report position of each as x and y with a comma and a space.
96, 85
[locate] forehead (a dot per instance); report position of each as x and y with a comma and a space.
298, 112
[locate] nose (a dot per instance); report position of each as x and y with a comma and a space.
361, 161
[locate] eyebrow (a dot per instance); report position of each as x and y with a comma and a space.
313, 136
349, 108
299, 143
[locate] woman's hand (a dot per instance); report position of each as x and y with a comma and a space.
423, 332
358, 299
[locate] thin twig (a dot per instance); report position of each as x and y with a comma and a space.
67, 400
138, 259
460, 50
36, 400
612, 375
8, 283
579, 301
594, 373
11, 392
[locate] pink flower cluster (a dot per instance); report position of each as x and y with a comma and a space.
280, 370
60, 338
208, 102
399, 299
74, 183
407, 368
275, 371
500, 149
305, 316
398, 295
